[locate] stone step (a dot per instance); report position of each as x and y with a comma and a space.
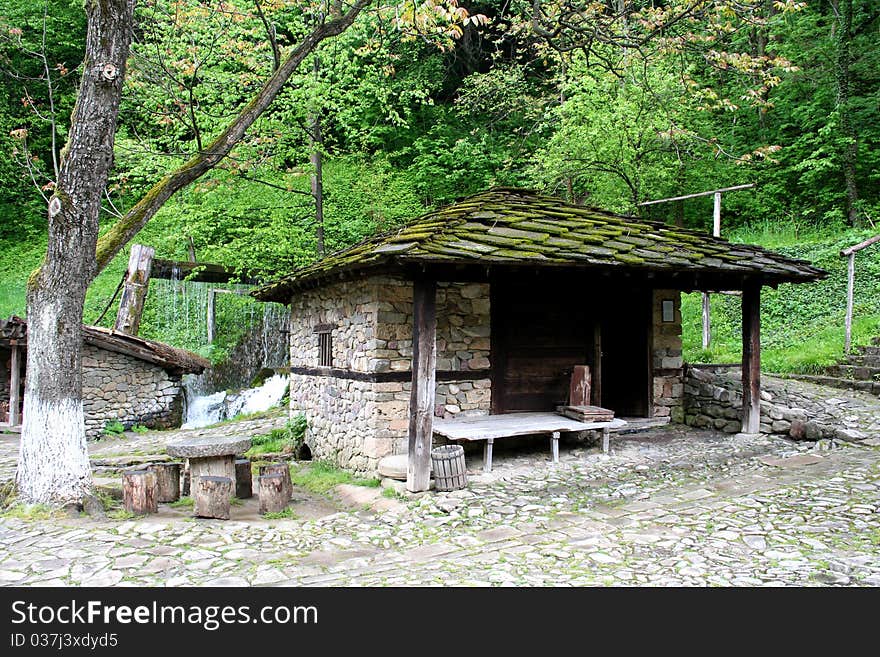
872, 387
873, 350
863, 360
856, 372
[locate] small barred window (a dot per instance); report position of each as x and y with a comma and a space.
325, 345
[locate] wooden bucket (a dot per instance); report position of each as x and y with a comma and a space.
449, 469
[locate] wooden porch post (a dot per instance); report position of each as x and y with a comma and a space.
751, 357
14, 385
421, 400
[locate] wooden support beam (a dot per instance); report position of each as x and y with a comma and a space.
134, 294
421, 401
197, 272
14, 385
751, 358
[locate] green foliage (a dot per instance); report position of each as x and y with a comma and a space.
185, 502
140, 428
284, 514
322, 476
288, 439
113, 428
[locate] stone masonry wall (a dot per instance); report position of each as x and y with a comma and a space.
713, 400
667, 358
353, 422
120, 388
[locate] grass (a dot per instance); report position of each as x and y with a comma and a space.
22, 511
121, 514
280, 515
182, 503
393, 494
320, 477
802, 326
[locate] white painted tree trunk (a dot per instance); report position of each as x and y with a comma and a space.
53, 464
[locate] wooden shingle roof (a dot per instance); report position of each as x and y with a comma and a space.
515, 227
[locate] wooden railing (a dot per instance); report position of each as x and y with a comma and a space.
850, 284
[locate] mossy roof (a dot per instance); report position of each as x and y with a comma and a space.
514, 227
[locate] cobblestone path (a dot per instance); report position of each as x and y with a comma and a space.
670, 507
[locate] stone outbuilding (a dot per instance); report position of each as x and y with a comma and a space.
485, 306
126, 379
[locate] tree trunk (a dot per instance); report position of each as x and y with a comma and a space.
850, 151
137, 217
316, 137
53, 464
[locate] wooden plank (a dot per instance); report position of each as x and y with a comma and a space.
421, 402
198, 272
14, 385
579, 391
751, 358
134, 293
514, 424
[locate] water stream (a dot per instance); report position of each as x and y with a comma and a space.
202, 410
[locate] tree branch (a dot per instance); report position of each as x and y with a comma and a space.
137, 217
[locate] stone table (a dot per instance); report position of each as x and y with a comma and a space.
210, 455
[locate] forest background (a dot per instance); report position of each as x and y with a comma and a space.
781, 94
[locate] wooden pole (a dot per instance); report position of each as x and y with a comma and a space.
751, 358
14, 385
421, 400
212, 315
707, 308
134, 294
698, 194
850, 285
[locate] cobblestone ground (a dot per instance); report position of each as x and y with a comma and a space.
667, 507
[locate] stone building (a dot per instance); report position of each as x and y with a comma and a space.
485, 306
126, 379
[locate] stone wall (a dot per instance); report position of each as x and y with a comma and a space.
120, 388
668, 386
713, 400
355, 421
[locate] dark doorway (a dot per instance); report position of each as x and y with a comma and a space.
626, 366
542, 326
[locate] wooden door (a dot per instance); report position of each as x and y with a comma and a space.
538, 335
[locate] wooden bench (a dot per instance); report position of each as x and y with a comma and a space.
490, 427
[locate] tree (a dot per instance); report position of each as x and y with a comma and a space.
53, 464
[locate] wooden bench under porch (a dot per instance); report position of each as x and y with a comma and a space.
490, 427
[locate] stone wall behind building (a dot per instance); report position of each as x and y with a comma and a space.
121, 388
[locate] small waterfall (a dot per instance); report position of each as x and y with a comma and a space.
202, 410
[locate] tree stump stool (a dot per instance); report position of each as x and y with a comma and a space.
273, 493
139, 492
212, 497
243, 479
284, 470
167, 481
